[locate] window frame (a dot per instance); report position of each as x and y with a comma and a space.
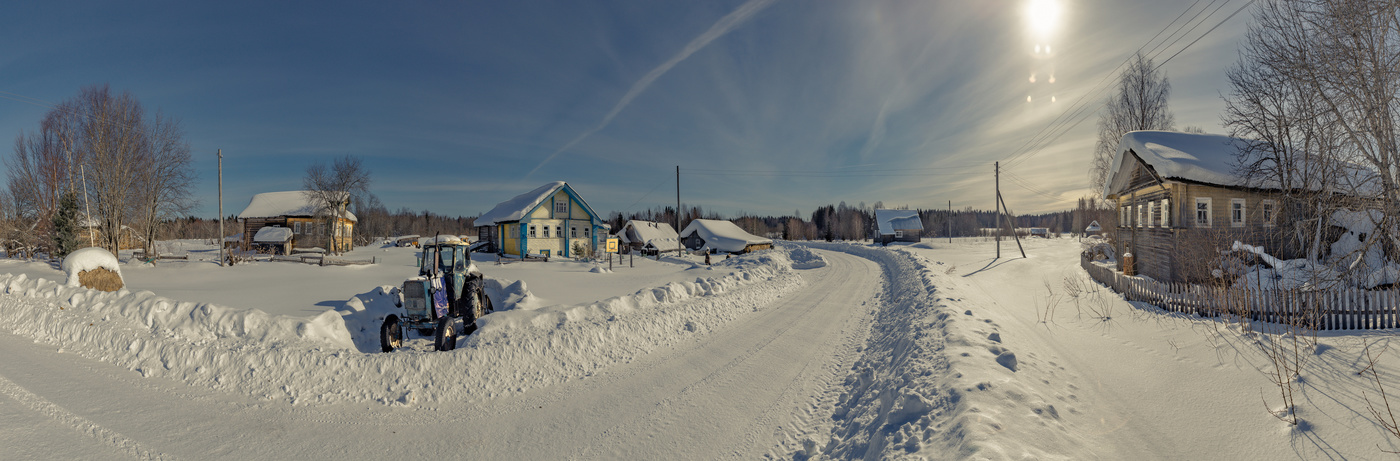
1209, 212
532, 231
1139, 215
561, 207
1166, 213
1238, 219
1268, 210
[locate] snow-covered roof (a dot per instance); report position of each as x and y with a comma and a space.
722, 235
1093, 227
288, 203
234, 238
516, 208
1203, 158
889, 221
658, 235
273, 234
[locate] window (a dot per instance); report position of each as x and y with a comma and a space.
561, 207
1236, 212
1166, 213
546, 231
1267, 208
296, 228
532, 231
899, 234
1123, 217
1139, 216
1154, 214
1202, 211
573, 232
585, 232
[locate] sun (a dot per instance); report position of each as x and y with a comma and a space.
1042, 17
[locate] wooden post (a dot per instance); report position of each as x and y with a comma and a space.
950, 221
996, 204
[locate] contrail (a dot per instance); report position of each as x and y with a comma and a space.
723, 26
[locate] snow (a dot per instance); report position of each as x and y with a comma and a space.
273, 234
910, 351
87, 259
888, 221
654, 235
287, 203
1205, 158
722, 235
516, 208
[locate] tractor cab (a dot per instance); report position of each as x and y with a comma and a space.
447, 291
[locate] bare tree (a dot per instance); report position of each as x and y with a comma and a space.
332, 187
1138, 103
1317, 90
164, 184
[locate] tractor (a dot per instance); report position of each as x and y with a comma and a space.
443, 300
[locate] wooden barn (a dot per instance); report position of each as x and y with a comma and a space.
898, 226
1180, 202
311, 224
716, 235
552, 219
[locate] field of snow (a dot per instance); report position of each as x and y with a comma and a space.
816, 350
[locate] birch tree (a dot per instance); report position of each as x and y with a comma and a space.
1139, 102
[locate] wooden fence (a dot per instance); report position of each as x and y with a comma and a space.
1342, 308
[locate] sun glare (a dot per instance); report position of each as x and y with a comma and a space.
1042, 17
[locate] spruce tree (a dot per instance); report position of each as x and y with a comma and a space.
65, 226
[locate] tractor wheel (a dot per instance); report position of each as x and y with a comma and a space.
445, 337
391, 334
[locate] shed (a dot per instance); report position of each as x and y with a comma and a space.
649, 237
717, 235
898, 226
277, 240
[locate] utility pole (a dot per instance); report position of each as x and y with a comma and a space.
950, 221
678, 207
221, 208
997, 205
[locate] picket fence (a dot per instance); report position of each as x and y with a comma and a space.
1329, 309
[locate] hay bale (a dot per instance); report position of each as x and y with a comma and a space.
100, 279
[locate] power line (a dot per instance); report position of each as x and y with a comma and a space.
1039, 145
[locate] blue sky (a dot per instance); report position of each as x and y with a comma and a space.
456, 106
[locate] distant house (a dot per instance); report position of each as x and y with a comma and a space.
551, 219
1042, 232
309, 224
716, 235
89, 232
898, 226
1180, 202
649, 237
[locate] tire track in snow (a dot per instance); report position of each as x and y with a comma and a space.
77, 423
699, 394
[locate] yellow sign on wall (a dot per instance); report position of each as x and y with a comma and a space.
612, 245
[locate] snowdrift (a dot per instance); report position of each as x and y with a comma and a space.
320, 360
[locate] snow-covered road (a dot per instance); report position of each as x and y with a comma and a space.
744, 389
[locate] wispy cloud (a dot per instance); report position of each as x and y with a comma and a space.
723, 26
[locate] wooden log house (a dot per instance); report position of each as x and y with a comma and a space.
1180, 203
